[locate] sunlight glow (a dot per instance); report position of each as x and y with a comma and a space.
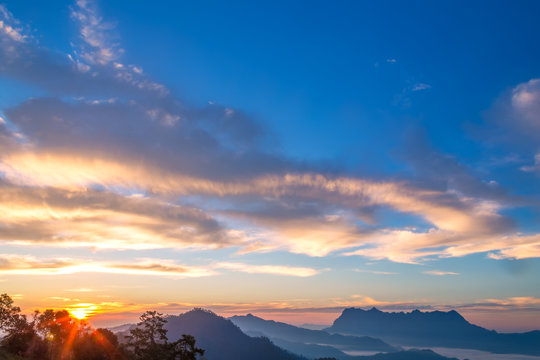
83, 311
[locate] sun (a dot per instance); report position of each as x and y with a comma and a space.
82, 311
79, 314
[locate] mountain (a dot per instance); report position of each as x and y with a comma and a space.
413, 354
278, 330
223, 340
218, 337
312, 351
435, 328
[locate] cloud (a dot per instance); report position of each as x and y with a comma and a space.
101, 219
440, 273
533, 168
518, 247
30, 265
446, 173
70, 161
96, 34
420, 86
525, 102
268, 269
514, 118
9, 26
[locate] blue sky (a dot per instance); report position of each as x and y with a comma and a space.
295, 157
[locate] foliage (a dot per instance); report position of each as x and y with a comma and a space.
148, 341
100, 344
55, 335
8, 312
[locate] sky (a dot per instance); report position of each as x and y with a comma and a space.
286, 159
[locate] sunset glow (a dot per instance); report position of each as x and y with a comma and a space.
82, 311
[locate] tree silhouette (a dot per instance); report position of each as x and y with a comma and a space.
55, 335
148, 341
20, 337
8, 312
184, 349
99, 344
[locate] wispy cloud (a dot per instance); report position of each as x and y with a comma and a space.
10, 27
420, 86
440, 273
99, 46
525, 102
31, 265
268, 269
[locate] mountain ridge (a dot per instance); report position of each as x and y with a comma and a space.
432, 328
223, 340
280, 330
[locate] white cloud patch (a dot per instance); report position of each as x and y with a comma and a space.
96, 33
268, 269
10, 26
440, 272
525, 101
420, 86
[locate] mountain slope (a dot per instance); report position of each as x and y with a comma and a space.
408, 355
222, 340
436, 328
279, 330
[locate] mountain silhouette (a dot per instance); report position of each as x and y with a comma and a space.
434, 328
290, 333
222, 340
413, 354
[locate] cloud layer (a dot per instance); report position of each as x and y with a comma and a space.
110, 159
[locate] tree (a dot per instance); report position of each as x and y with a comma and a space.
8, 312
59, 330
99, 344
148, 341
184, 348
20, 337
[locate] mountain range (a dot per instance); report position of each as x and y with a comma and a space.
308, 342
432, 328
377, 334
223, 340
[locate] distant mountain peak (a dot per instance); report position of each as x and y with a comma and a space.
222, 339
434, 328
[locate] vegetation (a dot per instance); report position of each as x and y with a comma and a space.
148, 341
55, 335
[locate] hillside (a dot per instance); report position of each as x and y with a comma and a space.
279, 330
222, 340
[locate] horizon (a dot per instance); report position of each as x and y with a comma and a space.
296, 319
274, 158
